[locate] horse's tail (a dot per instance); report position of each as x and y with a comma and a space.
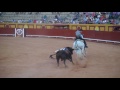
51, 56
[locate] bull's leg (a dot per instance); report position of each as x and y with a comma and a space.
65, 63
58, 62
71, 59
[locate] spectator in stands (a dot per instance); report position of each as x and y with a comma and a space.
19, 21
56, 17
45, 18
29, 21
104, 21
13, 21
74, 18
97, 20
79, 35
40, 21
34, 21
85, 20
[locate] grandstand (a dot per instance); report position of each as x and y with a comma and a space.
26, 16
61, 17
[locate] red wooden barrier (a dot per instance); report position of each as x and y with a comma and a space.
115, 36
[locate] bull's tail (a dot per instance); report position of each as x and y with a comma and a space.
51, 56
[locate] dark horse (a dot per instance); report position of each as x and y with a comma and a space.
63, 55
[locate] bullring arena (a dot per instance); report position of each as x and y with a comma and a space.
25, 49
29, 58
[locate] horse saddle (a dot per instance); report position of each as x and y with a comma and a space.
79, 40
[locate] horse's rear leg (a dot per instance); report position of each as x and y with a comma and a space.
83, 52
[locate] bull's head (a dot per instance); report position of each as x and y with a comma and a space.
70, 50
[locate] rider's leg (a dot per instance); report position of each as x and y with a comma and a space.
84, 42
76, 37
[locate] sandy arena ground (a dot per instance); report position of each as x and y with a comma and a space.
29, 58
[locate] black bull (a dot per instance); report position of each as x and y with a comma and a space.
64, 55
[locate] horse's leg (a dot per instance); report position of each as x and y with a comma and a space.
76, 57
80, 54
71, 59
84, 52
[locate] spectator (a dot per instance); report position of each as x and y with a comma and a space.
34, 21
45, 18
56, 17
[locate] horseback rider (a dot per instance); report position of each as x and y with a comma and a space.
79, 35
